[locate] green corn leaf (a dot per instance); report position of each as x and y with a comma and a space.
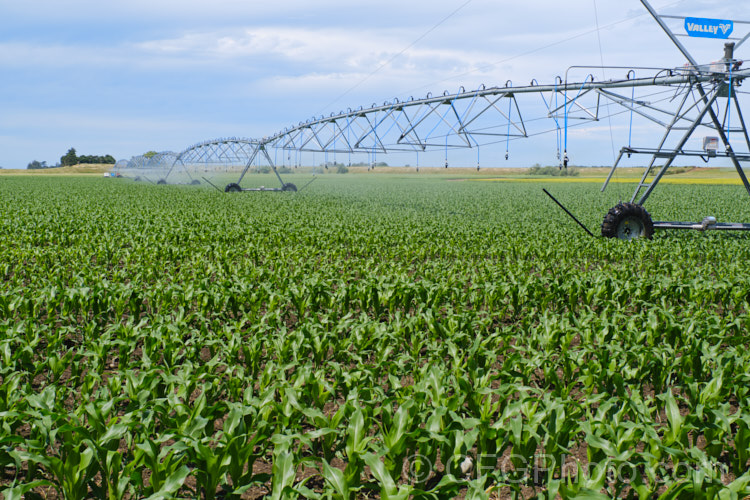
284, 474
388, 488
173, 483
678, 490
336, 479
114, 432
674, 418
19, 492
356, 438
584, 494
739, 488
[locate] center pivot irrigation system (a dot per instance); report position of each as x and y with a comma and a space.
680, 100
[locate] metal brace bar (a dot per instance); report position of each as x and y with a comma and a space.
249, 163
270, 162
675, 151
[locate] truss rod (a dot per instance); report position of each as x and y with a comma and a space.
674, 77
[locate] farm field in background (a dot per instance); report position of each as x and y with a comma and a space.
676, 175
372, 336
87, 170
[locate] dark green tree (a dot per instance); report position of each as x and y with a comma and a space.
35, 165
69, 159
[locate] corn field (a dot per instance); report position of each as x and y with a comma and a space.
368, 337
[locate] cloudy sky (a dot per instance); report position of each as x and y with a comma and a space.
123, 77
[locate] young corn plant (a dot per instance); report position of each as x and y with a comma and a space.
72, 469
166, 464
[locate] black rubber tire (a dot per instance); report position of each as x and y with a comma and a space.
137, 178
289, 187
195, 182
232, 188
161, 181
627, 221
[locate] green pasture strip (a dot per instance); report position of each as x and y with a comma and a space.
620, 180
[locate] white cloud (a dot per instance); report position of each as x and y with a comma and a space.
344, 50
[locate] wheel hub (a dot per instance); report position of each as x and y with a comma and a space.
630, 228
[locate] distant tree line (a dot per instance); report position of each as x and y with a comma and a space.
107, 159
36, 165
71, 158
365, 164
553, 171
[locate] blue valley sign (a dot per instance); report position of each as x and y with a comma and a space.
708, 28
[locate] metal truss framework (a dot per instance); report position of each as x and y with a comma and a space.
229, 150
679, 100
470, 119
725, 78
149, 168
699, 100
